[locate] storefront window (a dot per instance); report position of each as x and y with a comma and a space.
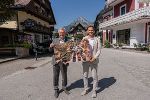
123, 36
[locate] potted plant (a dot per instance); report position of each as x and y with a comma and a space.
116, 45
148, 47
120, 45
106, 44
22, 50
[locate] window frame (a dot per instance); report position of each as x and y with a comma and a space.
125, 9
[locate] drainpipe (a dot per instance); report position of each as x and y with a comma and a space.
146, 33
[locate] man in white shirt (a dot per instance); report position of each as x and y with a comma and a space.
95, 50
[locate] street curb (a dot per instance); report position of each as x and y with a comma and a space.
9, 60
12, 59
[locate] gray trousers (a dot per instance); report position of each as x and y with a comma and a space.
93, 67
56, 70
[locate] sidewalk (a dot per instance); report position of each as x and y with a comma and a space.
11, 58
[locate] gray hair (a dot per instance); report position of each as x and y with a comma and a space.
62, 28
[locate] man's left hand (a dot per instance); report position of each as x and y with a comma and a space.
93, 60
65, 63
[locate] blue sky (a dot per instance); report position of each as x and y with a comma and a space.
65, 11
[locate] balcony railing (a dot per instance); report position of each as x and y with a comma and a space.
131, 16
109, 2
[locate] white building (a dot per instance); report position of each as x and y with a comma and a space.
127, 22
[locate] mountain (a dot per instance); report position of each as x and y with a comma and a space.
80, 20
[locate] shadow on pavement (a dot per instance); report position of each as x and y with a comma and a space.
105, 83
78, 84
102, 84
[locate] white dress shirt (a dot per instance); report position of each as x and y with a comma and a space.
62, 41
91, 40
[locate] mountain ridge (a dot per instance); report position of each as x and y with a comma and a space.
78, 20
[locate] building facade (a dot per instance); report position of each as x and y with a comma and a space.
33, 22
77, 31
127, 22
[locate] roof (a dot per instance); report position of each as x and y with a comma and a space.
75, 26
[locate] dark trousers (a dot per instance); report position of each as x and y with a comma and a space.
56, 70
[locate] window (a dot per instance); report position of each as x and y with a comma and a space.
123, 9
43, 1
123, 36
5, 40
49, 16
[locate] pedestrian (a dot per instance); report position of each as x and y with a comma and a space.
59, 66
95, 50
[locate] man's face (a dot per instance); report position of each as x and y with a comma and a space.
91, 31
62, 34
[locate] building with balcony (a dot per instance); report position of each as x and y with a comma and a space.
77, 31
33, 22
128, 22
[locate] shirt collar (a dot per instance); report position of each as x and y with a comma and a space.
61, 40
91, 38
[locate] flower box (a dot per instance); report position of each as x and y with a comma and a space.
22, 52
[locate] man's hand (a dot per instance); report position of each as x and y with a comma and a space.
64, 63
93, 60
52, 45
57, 61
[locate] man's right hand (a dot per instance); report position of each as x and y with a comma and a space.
52, 45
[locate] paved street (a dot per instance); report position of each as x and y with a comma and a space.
10, 67
122, 76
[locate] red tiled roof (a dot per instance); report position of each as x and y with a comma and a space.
22, 2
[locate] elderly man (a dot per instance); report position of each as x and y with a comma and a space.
59, 66
95, 49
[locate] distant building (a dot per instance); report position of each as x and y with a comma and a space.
33, 22
124, 21
77, 31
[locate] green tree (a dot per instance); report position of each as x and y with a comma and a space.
6, 13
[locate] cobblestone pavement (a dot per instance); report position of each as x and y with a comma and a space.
121, 76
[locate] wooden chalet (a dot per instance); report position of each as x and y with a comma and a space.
77, 29
33, 22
